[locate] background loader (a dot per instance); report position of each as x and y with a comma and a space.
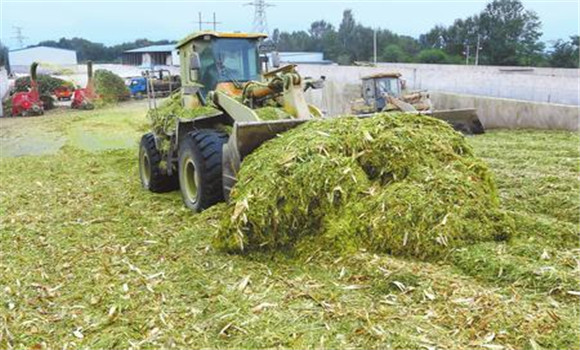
202, 155
385, 92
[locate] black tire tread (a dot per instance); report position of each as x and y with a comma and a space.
159, 182
208, 143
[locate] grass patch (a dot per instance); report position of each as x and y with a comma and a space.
89, 259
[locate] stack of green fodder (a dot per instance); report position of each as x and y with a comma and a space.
407, 185
109, 87
272, 113
164, 118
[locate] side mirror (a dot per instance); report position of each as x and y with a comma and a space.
276, 59
194, 63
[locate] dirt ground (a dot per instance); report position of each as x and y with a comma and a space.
87, 130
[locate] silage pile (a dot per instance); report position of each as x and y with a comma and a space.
406, 185
164, 119
109, 87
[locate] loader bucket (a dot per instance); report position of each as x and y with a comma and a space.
463, 120
245, 138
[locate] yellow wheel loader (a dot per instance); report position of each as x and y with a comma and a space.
198, 156
385, 92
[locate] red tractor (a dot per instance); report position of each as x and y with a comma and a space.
83, 98
28, 103
63, 93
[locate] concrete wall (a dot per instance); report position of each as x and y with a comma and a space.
512, 114
343, 86
552, 85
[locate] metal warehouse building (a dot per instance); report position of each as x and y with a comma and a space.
155, 55
21, 59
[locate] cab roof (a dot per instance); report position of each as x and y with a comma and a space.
233, 35
382, 75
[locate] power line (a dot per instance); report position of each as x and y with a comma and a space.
19, 36
214, 23
260, 20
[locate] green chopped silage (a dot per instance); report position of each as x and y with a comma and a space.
407, 185
164, 118
272, 113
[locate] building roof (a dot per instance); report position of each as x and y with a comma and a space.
40, 46
196, 35
382, 75
153, 48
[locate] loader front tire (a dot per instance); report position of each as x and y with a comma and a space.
153, 177
200, 168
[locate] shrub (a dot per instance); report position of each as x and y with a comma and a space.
433, 56
110, 87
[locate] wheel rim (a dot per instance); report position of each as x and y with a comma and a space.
189, 180
145, 166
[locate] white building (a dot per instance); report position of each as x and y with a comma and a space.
21, 59
150, 56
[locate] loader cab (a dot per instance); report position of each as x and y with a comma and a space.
376, 87
217, 60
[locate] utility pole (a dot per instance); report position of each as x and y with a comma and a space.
260, 20
201, 22
466, 52
477, 50
375, 46
19, 36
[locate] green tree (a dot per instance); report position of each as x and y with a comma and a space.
565, 53
436, 38
276, 36
510, 33
97, 52
346, 36
319, 32
433, 56
393, 53
295, 41
4, 56
351, 42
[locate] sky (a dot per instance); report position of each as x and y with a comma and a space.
113, 22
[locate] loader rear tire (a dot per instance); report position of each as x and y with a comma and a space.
200, 168
153, 177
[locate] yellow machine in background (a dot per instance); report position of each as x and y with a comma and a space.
386, 92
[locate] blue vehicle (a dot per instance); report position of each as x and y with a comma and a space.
161, 84
138, 87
